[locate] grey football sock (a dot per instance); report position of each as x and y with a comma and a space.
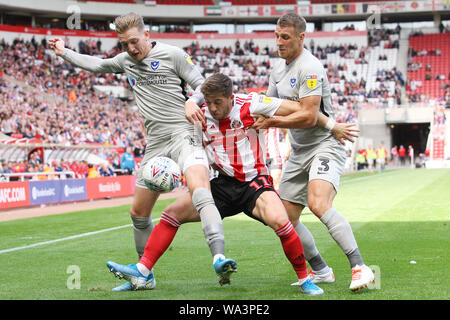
312, 255
211, 220
341, 231
142, 227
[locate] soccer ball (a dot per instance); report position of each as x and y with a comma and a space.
161, 174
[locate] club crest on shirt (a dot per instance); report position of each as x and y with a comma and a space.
236, 124
154, 65
292, 82
311, 81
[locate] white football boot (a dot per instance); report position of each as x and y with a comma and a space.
319, 278
362, 276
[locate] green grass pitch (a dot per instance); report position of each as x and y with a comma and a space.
397, 217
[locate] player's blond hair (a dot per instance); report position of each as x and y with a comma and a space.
293, 20
218, 83
128, 21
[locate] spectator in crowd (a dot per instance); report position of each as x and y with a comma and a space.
127, 161
106, 170
92, 171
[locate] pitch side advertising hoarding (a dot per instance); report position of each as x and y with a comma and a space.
14, 195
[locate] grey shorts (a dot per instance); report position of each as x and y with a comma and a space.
324, 163
184, 147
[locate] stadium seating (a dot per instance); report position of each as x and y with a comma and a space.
432, 51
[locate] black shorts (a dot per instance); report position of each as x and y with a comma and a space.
233, 196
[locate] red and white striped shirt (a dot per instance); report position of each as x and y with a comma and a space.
272, 142
238, 150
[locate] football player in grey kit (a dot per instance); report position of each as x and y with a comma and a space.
158, 73
312, 173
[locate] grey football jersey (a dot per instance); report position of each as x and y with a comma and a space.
158, 82
303, 77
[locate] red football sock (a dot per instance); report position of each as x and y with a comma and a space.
159, 240
293, 249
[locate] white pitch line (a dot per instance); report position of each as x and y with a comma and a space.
67, 238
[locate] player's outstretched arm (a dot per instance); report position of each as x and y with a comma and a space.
293, 114
84, 61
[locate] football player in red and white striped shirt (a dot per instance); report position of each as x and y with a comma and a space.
237, 152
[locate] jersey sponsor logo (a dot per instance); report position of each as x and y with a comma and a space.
151, 80
292, 82
154, 65
188, 59
132, 81
267, 100
311, 81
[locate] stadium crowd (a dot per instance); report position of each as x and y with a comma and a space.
78, 114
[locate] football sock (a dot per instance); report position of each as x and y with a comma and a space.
143, 269
312, 255
293, 249
341, 231
218, 256
211, 220
159, 240
142, 228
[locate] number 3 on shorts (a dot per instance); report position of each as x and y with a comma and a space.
324, 167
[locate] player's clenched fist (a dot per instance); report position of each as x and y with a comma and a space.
57, 45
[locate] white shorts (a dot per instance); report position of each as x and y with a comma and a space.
184, 147
324, 164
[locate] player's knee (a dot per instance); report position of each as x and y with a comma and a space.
318, 206
197, 176
176, 212
139, 213
277, 221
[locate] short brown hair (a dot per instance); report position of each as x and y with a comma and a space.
217, 84
293, 20
128, 21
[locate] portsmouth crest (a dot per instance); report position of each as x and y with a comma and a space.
154, 65
292, 82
